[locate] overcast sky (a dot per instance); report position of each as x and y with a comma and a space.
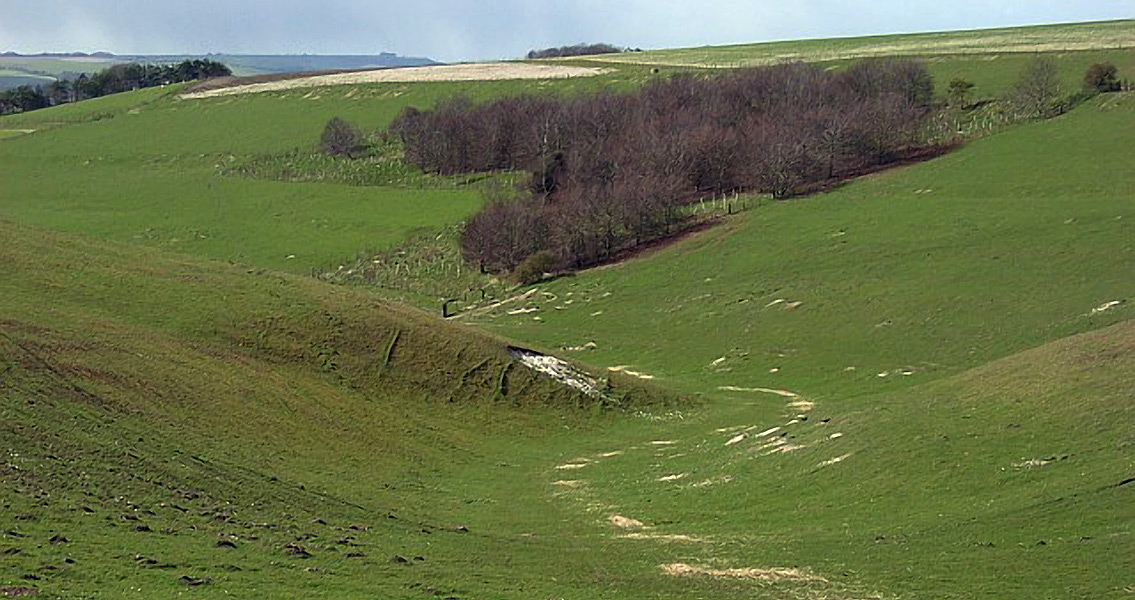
449, 30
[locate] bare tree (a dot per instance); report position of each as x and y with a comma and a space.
1037, 90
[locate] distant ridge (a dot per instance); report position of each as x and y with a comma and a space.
241, 64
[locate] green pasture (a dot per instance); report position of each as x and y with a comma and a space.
1004, 244
917, 385
1104, 35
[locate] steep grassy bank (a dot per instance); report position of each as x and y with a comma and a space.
155, 407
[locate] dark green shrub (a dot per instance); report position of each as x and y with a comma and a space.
1102, 78
340, 138
958, 93
532, 269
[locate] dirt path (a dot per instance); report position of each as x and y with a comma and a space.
466, 72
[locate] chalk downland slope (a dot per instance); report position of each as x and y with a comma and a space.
191, 423
459, 72
1072, 37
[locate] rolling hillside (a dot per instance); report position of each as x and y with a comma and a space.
920, 384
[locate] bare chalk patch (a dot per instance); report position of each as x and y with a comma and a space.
664, 442
569, 483
785, 448
735, 439
768, 575
1032, 463
674, 477
558, 369
571, 466
1106, 306
714, 481
663, 537
625, 522
733, 388
832, 461
802, 405
768, 432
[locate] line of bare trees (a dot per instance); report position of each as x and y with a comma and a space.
577, 50
614, 170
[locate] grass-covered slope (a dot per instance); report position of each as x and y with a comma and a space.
1012, 480
145, 167
1004, 244
1068, 37
171, 425
916, 386
154, 407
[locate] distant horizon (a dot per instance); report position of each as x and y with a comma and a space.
100, 53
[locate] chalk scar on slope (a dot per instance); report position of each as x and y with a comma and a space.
556, 368
770, 575
464, 72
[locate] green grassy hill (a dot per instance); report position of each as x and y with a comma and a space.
157, 405
1070, 37
904, 276
918, 385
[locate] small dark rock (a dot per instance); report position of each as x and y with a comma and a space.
69, 560
10, 551
129, 517
420, 558
399, 560
226, 544
143, 528
58, 539
30, 577
87, 509
354, 555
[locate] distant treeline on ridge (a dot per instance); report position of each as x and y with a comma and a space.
118, 78
578, 50
614, 170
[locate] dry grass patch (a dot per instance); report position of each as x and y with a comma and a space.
466, 72
770, 575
